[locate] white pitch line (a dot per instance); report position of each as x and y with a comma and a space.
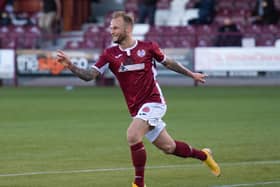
268, 162
251, 184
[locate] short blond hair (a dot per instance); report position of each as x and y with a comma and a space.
127, 17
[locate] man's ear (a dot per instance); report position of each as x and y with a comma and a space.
128, 29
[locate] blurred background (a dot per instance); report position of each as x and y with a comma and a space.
236, 42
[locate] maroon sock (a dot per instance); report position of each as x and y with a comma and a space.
184, 150
138, 155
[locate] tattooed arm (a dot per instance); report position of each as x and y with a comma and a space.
85, 74
179, 68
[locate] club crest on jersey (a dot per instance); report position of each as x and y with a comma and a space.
146, 109
141, 53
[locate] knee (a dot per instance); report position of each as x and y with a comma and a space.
132, 137
169, 148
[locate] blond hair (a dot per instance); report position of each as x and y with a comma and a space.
127, 17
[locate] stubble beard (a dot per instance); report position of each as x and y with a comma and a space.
120, 39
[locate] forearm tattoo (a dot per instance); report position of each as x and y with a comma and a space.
177, 67
85, 74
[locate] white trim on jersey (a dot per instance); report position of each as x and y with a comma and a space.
157, 85
102, 69
160, 92
164, 59
127, 50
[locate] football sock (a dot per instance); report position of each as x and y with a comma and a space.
184, 150
138, 155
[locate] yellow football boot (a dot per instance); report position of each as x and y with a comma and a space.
134, 185
211, 163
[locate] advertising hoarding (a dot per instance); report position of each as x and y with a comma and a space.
7, 64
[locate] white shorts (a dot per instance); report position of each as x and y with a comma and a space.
152, 113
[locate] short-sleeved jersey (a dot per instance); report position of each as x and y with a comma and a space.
134, 69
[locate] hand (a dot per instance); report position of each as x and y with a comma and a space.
62, 58
199, 77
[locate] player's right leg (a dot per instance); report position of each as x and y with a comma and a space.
135, 185
147, 122
135, 133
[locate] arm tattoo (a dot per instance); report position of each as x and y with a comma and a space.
85, 74
177, 67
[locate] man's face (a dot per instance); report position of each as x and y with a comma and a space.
118, 30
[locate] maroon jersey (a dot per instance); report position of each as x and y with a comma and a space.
135, 72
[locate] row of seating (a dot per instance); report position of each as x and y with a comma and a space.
181, 36
205, 35
20, 36
238, 10
167, 36
232, 4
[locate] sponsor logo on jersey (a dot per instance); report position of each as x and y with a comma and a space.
141, 53
122, 68
131, 67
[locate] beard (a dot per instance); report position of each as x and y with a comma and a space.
120, 39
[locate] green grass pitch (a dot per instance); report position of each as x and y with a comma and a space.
50, 137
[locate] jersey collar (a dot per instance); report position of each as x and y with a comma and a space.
127, 50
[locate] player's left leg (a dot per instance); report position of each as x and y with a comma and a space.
181, 149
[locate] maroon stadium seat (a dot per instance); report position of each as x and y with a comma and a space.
205, 40
242, 5
32, 37
187, 41
94, 36
74, 45
206, 29
265, 40
187, 30
163, 4
224, 4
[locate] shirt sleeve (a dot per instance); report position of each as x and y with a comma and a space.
158, 54
102, 63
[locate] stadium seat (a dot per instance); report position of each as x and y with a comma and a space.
187, 41
8, 42
252, 31
266, 39
206, 35
74, 45
190, 4
131, 5
94, 36
242, 5
32, 37
163, 4
221, 15
153, 37
205, 40
239, 16
167, 43
206, 29
224, 4
271, 29
187, 30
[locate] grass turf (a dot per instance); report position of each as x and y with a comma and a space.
70, 135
